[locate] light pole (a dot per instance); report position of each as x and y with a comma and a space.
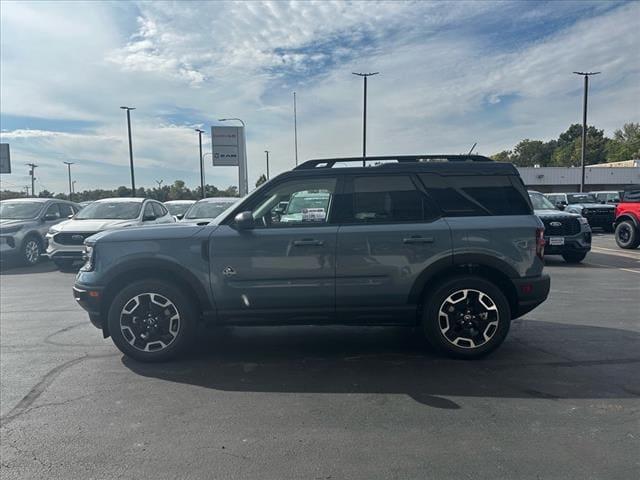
364, 115
32, 172
267, 152
200, 132
583, 153
133, 180
243, 183
295, 127
68, 164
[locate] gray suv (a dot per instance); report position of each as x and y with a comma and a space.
24, 222
447, 243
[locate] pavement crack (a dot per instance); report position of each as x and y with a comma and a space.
23, 405
62, 330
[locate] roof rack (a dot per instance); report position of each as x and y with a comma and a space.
331, 162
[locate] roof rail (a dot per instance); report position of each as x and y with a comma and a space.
331, 162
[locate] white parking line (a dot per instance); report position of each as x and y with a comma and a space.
617, 253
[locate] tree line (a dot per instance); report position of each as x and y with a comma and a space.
566, 150
177, 191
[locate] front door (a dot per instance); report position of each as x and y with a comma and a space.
282, 270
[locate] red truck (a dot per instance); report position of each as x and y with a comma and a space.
627, 219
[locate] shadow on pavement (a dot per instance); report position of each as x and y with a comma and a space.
539, 360
11, 266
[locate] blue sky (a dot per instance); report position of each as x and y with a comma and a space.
451, 74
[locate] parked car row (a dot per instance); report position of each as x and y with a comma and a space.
31, 227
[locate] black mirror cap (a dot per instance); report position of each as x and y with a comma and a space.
244, 220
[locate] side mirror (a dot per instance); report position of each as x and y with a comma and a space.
148, 218
244, 220
180, 216
71, 216
560, 205
50, 217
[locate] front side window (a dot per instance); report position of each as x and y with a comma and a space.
52, 211
110, 211
296, 203
65, 210
387, 199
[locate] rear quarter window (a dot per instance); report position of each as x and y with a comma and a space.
468, 196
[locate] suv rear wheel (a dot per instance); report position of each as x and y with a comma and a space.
627, 235
466, 317
152, 321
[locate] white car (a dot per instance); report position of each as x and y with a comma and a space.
207, 209
65, 241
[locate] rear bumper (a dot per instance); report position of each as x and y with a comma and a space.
530, 292
90, 299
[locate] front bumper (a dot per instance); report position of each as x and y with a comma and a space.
57, 251
8, 245
576, 243
90, 298
530, 293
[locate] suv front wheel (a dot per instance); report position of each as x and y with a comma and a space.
466, 317
152, 321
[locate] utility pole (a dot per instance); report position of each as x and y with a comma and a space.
33, 178
26, 189
364, 115
200, 132
295, 127
68, 164
583, 153
133, 180
267, 152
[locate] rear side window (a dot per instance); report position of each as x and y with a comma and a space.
631, 195
465, 196
386, 199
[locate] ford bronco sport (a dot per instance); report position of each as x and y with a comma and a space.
447, 243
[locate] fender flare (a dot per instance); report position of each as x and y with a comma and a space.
628, 216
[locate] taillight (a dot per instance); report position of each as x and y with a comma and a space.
540, 242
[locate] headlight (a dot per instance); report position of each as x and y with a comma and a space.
53, 231
89, 256
583, 221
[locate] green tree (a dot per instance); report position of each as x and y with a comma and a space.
261, 179
503, 156
45, 194
569, 147
529, 153
625, 144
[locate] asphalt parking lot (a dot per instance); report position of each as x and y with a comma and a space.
560, 399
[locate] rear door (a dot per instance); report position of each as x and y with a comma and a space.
282, 270
390, 232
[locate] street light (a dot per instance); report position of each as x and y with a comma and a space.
364, 114
200, 132
233, 118
68, 164
133, 180
267, 152
584, 124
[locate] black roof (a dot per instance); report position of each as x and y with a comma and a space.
444, 164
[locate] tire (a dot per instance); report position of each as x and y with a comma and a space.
627, 235
30, 250
470, 342
151, 307
65, 265
574, 257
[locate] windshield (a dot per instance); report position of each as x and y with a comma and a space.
581, 198
306, 200
177, 208
206, 209
540, 202
110, 211
19, 210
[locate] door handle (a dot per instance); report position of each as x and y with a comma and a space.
418, 239
308, 242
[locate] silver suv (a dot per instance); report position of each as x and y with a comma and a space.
24, 223
445, 243
65, 240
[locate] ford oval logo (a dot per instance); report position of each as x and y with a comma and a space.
556, 224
